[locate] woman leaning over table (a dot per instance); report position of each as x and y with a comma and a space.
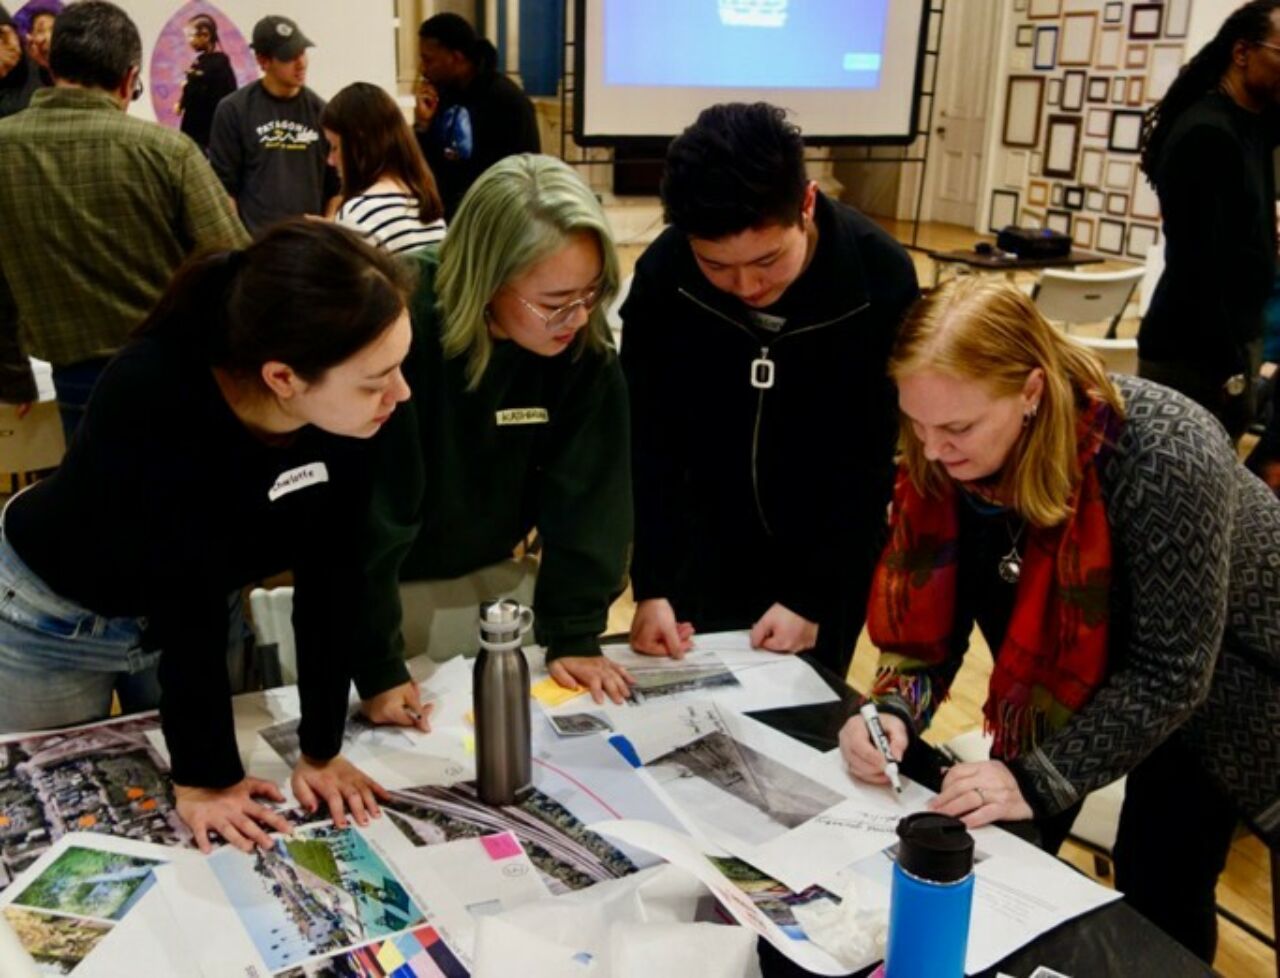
226, 443
1101, 533
519, 422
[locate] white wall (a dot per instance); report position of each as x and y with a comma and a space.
354, 41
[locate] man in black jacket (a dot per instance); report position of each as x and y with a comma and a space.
467, 115
755, 341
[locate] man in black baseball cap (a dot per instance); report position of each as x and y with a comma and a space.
267, 145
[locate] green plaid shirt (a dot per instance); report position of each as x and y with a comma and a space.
97, 210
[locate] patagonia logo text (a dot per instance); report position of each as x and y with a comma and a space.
299, 478
530, 415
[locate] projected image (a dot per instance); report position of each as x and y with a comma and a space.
833, 44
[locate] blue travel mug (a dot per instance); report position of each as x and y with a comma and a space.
930, 899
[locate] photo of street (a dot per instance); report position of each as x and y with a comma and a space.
670, 679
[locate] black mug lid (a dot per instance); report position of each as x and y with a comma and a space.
935, 847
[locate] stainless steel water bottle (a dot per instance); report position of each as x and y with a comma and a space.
500, 694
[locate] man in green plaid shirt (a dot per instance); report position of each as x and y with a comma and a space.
97, 209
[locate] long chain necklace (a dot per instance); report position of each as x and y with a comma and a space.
1010, 566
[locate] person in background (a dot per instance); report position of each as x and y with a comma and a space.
1207, 149
388, 194
755, 337
19, 75
266, 145
1121, 564
519, 421
210, 79
38, 39
216, 443
121, 203
467, 115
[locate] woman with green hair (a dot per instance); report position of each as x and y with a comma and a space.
518, 421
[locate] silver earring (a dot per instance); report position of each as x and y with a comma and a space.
1030, 414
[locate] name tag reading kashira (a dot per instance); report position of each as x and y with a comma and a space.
299, 478
530, 415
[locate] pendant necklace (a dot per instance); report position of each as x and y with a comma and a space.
1010, 566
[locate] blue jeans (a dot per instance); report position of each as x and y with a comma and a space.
73, 384
60, 662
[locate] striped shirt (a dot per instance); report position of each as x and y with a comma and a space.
390, 220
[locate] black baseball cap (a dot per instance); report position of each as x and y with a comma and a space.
280, 38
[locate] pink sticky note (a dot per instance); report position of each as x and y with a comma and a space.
502, 846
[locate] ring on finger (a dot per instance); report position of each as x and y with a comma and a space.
981, 797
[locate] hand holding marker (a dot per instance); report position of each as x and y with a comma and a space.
872, 718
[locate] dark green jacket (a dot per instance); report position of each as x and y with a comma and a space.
463, 476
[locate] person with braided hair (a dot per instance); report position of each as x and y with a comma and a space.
1207, 150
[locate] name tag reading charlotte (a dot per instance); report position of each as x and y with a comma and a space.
299, 478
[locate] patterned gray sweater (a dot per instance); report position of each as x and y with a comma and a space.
1196, 617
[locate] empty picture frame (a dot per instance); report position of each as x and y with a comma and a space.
1142, 238
1118, 204
1046, 49
1166, 60
1078, 32
1073, 91
1054, 96
1059, 221
1035, 165
1177, 14
1109, 46
1135, 92
1037, 193
1118, 175
1126, 131
1095, 200
1117, 91
1110, 236
1044, 8
1098, 89
1073, 198
1113, 13
1135, 56
1098, 123
1144, 21
1026, 35
1055, 195
1004, 209
1091, 166
1023, 97
1061, 146
1030, 219
1015, 167
1082, 231
1144, 204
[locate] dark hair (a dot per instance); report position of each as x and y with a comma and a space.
94, 44
1250, 23
376, 141
5, 19
307, 293
211, 24
456, 34
738, 166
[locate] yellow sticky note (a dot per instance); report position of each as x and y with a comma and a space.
389, 957
469, 743
548, 692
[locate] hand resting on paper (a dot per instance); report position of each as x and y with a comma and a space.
655, 631
597, 674
232, 813
341, 786
399, 706
781, 630
861, 755
981, 793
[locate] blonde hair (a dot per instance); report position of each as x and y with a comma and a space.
984, 329
522, 209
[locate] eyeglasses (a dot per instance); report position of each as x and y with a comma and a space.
561, 316
138, 88
1264, 44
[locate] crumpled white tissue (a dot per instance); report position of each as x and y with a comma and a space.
854, 937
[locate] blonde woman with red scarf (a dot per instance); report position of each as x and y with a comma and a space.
1124, 569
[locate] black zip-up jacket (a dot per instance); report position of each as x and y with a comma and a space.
749, 495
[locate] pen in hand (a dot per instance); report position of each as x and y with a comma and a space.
872, 718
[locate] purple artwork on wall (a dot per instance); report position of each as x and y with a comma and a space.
173, 55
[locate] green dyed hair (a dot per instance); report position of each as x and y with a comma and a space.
522, 209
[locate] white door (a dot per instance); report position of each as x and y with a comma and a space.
965, 74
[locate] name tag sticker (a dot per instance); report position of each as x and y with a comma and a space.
299, 478
530, 415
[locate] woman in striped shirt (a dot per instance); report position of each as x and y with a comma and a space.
388, 193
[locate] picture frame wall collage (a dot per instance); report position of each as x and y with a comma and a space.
1081, 76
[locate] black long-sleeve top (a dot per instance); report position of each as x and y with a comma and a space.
164, 506
1216, 185
210, 79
